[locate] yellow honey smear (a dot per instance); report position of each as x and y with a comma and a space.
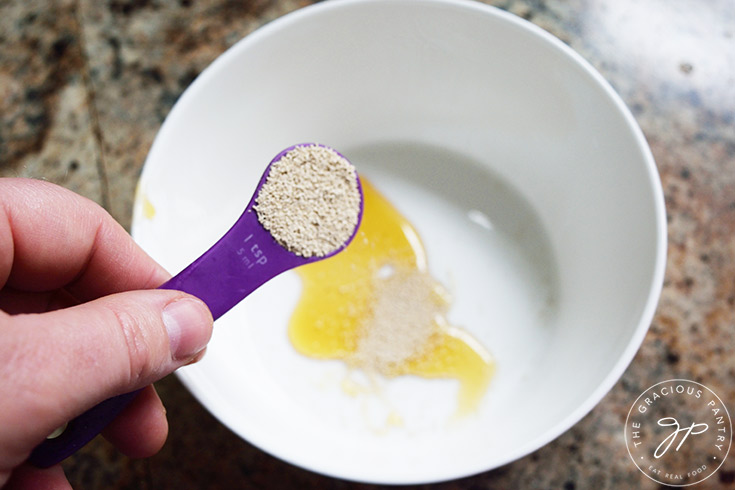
148, 210
342, 312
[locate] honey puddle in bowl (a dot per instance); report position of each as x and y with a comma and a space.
376, 307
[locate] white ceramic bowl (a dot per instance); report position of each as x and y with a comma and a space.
529, 181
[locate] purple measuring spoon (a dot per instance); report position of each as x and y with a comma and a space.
245, 258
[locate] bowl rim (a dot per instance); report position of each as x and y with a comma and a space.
432, 475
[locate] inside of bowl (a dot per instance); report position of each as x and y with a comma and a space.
526, 178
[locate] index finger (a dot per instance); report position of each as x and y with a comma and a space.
52, 238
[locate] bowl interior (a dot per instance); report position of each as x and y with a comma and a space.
527, 179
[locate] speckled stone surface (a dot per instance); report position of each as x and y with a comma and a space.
85, 85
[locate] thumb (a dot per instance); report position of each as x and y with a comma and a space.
66, 361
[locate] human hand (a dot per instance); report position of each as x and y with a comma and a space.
80, 323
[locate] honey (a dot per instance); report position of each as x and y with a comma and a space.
338, 301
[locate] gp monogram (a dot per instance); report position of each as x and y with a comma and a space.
678, 432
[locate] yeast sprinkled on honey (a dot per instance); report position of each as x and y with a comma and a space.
376, 307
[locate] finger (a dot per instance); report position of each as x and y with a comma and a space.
141, 429
52, 237
27, 477
16, 302
61, 363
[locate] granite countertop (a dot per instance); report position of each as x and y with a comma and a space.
85, 85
